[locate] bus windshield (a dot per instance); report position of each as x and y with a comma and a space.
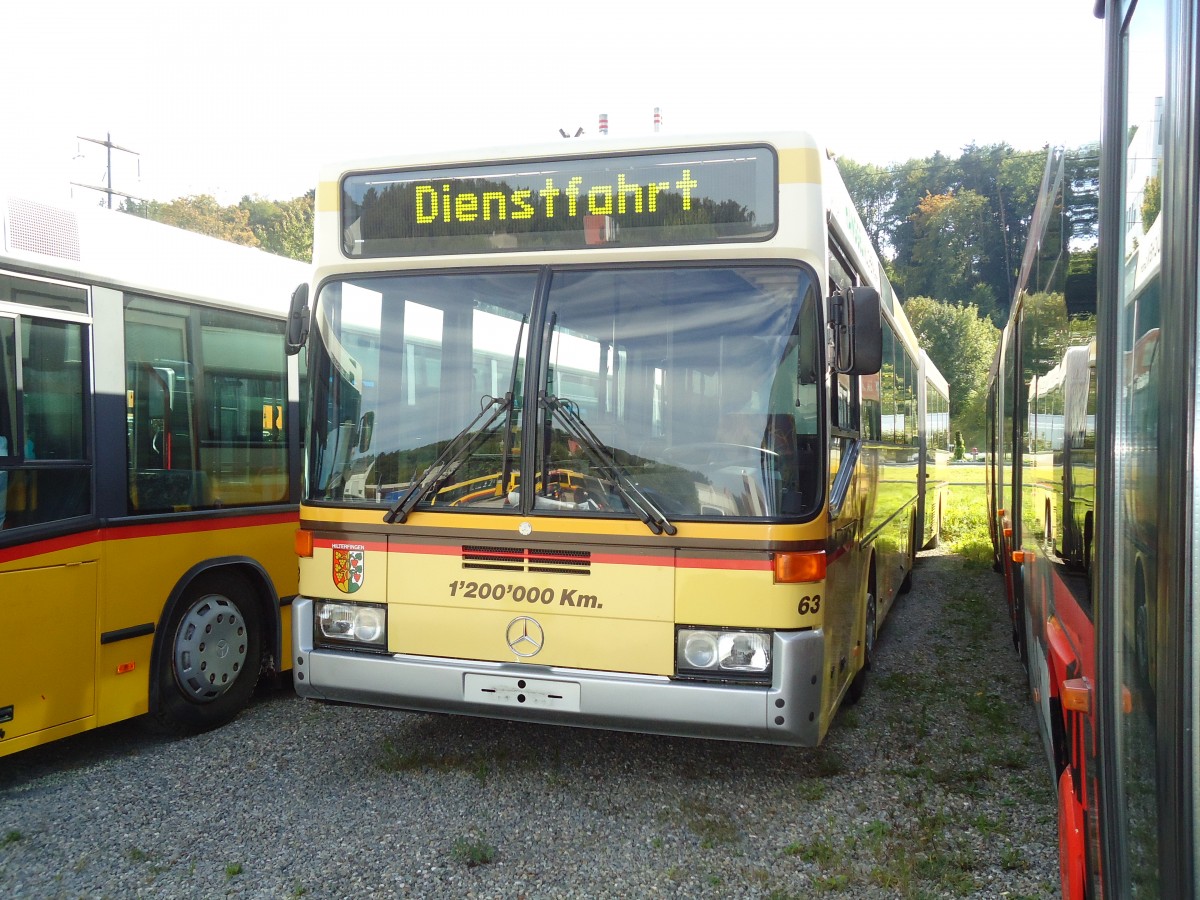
686, 392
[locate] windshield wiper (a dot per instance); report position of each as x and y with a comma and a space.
448, 461
651, 515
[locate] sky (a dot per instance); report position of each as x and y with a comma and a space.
251, 97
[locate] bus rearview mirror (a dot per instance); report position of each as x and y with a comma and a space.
859, 331
297, 321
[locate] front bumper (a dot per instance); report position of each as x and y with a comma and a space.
786, 712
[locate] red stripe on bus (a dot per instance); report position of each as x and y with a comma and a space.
428, 549
612, 559
191, 526
130, 532
628, 559
50, 545
748, 565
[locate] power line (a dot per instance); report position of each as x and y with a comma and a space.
108, 188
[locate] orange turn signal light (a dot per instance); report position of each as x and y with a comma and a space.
794, 568
304, 544
125, 668
1077, 695
1018, 556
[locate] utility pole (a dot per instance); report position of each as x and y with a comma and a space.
108, 188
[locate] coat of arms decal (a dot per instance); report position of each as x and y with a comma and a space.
349, 566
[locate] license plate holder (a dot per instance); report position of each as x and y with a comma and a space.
507, 690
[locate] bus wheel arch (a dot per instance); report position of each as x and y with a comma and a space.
209, 649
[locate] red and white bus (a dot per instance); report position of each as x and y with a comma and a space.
1092, 466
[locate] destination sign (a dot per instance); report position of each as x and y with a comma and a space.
638, 200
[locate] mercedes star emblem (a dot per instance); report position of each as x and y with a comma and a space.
525, 636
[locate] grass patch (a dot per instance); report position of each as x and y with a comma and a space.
232, 870
397, 760
818, 851
10, 837
712, 825
1012, 859
827, 764
472, 851
992, 711
965, 525
811, 791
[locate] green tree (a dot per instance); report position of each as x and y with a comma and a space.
284, 227
200, 213
945, 259
961, 343
873, 190
993, 189
1151, 202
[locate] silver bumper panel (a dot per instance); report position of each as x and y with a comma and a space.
786, 712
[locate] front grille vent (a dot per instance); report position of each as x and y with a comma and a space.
518, 559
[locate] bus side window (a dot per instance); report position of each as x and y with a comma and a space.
845, 405
8, 404
44, 425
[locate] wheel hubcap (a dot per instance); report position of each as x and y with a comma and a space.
210, 648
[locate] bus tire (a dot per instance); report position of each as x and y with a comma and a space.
210, 656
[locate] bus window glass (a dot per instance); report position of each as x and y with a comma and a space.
8, 405
205, 393
887, 387
46, 294
716, 355
1144, 608
243, 440
44, 475
405, 366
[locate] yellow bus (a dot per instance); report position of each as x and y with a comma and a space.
626, 437
148, 448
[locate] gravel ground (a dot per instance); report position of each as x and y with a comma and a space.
934, 785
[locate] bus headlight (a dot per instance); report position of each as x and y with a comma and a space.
736, 655
350, 624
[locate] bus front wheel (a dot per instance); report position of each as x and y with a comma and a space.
211, 655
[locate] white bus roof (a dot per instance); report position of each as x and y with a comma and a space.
120, 250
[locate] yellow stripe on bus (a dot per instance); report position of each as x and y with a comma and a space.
800, 166
328, 195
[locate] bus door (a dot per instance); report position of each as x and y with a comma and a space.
843, 584
48, 551
164, 459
